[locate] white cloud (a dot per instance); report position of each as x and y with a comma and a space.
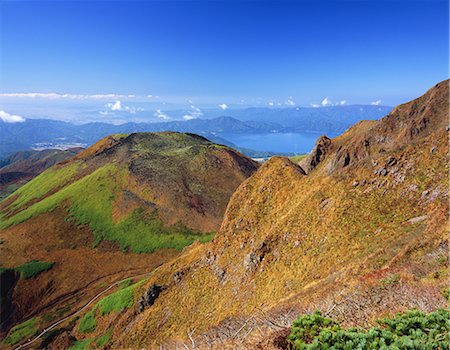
271, 103
161, 115
223, 106
194, 113
326, 102
118, 107
11, 118
376, 103
290, 101
54, 96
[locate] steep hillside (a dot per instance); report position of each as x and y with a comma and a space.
87, 218
359, 234
21, 167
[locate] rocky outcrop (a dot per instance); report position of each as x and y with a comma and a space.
8, 280
149, 297
317, 155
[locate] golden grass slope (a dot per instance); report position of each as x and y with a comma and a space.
292, 241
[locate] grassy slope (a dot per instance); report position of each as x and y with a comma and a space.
315, 235
298, 158
22, 331
91, 202
362, 230
44, 183
172, 169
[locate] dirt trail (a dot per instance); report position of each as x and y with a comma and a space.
53, 325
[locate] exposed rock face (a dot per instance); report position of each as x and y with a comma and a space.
320, 150
149, 297
8, 280
407, 123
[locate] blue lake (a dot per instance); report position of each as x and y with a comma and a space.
275, 142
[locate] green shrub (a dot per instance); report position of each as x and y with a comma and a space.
103, 340
411, 330
33, 268
81, 344
88, 323
117, 301
22, 331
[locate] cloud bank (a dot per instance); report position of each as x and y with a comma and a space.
326, 102
11, 118
55, 96
194, 113
161, 115
117, 106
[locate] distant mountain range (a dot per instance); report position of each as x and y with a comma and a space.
331, 119
45, 133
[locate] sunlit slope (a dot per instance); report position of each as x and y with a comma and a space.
144, 191
368, 220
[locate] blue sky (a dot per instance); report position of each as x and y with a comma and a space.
210, 53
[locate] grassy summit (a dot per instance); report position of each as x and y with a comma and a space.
145, 191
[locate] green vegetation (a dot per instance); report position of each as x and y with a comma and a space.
31, 268
85, 344
44, 183
297, 158
117, 302
103, 340
119, 136
411, 330
92, 200
88, 323
120, 300
81, 344
22, 331
125, 283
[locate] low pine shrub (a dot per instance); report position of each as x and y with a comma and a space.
411, 330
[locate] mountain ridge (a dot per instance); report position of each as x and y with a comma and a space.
291, 241
33, 132
137, 198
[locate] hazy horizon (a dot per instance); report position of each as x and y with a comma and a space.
132, 61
